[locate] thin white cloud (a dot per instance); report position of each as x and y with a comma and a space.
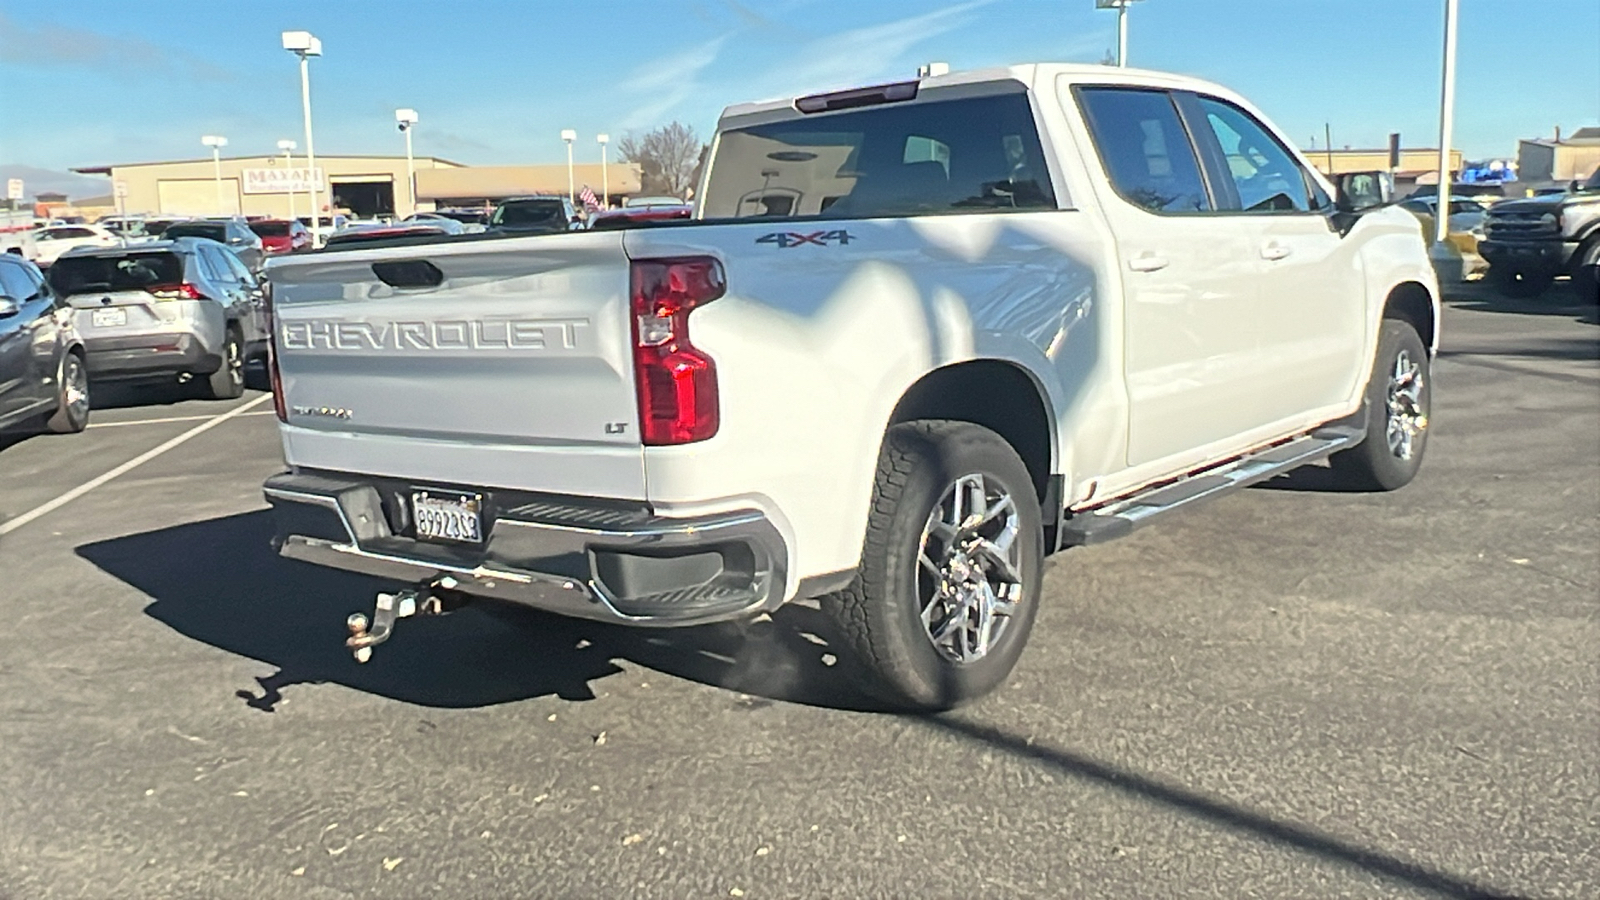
665, 83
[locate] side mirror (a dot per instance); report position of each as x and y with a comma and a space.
1361, 191
8, 307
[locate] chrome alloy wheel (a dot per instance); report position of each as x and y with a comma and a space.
969, 564
1406, 417
235, 361
75, 387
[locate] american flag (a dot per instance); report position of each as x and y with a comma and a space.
590, 201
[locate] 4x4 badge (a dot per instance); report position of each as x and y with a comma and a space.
785, 239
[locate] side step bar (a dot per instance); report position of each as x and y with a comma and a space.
1120, 517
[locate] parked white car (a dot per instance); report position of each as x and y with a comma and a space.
917, 337
51, 242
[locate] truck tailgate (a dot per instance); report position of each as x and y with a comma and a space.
499, 363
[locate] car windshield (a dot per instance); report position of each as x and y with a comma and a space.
969, 155
213, 230
270, 229
132, 272
1593, 184
529, 212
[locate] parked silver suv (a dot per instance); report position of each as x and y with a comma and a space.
185, 308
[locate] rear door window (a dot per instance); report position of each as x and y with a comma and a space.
1145, 149
969, 155
133, 272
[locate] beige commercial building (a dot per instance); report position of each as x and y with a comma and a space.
1558, 159
265, 185
479, 185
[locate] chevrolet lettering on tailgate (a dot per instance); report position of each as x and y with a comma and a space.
457, 334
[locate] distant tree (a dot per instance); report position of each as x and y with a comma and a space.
1110, 59
669, 156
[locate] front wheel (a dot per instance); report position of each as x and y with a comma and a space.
1399, 399
948, 587
72, 397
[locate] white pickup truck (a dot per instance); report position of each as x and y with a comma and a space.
917, 337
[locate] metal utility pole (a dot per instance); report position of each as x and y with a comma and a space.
304, 45
605, 176
216, 143
287, 146
1121, 6
1327, 140
1447, 114
407, 118
569, 135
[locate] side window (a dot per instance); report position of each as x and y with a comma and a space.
237, 267
14, 284
1145, 149
210, 268
1266, 175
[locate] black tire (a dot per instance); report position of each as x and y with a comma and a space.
880, 614
1519, 282
1376, 464
1586, 271
72, 396
227, 382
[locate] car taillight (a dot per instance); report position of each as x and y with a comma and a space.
183, 291
676, 383
274, 377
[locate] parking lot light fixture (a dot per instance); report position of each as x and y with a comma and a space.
569, 136
287, 146
407, 119
305, 45
605, 176
1121, 6
216, 142
1447, 114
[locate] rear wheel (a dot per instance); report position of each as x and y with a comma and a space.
1399, 397
72, 397
948, 587
227, 382
1586, 271
1520, 282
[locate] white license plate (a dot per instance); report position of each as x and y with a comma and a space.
109, 318
448, 518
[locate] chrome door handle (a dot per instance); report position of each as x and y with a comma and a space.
1147, 262
1275, 250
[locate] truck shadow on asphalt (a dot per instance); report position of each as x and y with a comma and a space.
220, 582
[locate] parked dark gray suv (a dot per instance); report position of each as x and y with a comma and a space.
235, 234
179, 309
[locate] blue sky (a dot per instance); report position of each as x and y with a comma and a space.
495, 81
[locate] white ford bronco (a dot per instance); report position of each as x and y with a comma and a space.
916, 337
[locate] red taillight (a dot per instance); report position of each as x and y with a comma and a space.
676, 383
274, 377
183, 291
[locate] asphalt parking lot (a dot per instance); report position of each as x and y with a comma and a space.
1292, 692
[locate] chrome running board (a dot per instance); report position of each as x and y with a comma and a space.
1122, 516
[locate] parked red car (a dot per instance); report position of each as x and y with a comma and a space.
628, 217
281, 235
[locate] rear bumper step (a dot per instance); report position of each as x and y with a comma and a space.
1120, 517
584, 559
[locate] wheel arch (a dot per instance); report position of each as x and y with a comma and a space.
1413, 303
998, 395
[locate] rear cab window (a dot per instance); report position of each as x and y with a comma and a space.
132, 272
924, 157
529, 212
1145, 149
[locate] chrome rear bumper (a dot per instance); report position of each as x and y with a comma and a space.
587, 559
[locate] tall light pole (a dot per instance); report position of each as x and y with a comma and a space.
1121, 6
304, 45
216, 142
287, 146
1447, 114
407, 118
605, 174
569, 136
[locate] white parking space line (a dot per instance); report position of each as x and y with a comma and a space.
13, 524
259, 412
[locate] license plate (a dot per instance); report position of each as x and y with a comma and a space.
450, 517
109, 318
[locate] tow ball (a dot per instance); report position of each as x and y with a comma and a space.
431, 598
